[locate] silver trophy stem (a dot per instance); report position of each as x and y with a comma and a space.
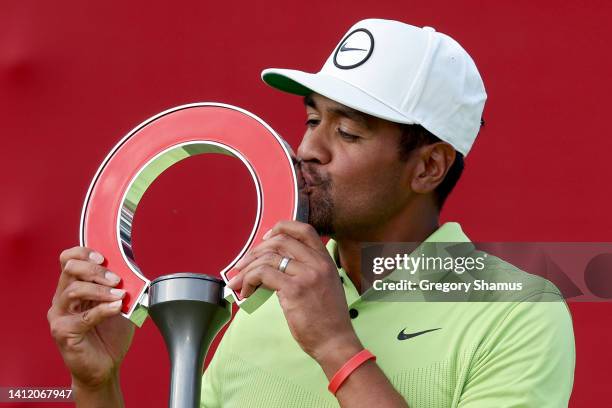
189, 310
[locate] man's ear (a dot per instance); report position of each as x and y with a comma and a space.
432, 163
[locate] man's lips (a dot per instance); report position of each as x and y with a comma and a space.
309, 180
308, 189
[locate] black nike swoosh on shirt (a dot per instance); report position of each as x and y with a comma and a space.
345, 48
406, 336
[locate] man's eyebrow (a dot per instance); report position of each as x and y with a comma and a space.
344, 111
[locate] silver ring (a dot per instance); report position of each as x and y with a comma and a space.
283, 264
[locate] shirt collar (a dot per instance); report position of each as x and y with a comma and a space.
449, 232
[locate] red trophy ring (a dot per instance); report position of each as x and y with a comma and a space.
156, 144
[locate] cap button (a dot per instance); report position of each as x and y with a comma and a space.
430, 29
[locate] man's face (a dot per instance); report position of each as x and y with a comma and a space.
350, 161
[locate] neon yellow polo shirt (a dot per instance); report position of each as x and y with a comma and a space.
482, 354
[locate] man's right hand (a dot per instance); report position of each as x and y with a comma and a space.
86, 324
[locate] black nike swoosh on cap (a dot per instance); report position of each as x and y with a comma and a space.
406, 336
345, 48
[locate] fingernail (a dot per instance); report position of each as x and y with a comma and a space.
112, 277
114, 305
232, 282
267, 235
96, 257
118, 292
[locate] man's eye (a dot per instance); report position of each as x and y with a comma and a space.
347, 136
312, 122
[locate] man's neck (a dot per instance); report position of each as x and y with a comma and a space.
412, 230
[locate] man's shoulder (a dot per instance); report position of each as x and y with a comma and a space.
500, 280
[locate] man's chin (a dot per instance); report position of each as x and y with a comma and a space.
321, 221
320, 209
323, 230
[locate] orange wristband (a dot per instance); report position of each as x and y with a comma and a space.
348, 368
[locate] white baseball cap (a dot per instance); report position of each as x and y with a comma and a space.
401, 73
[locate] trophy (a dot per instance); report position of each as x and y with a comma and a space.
189, 309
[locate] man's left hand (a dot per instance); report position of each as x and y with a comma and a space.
309, 291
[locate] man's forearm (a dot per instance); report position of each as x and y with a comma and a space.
367, 386
106, 395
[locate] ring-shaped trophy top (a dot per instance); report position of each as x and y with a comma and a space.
158, 143
151, 170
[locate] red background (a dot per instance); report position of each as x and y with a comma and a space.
76, 76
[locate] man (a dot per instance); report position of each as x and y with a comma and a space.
390, 117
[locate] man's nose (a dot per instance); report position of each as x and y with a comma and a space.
315, 146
